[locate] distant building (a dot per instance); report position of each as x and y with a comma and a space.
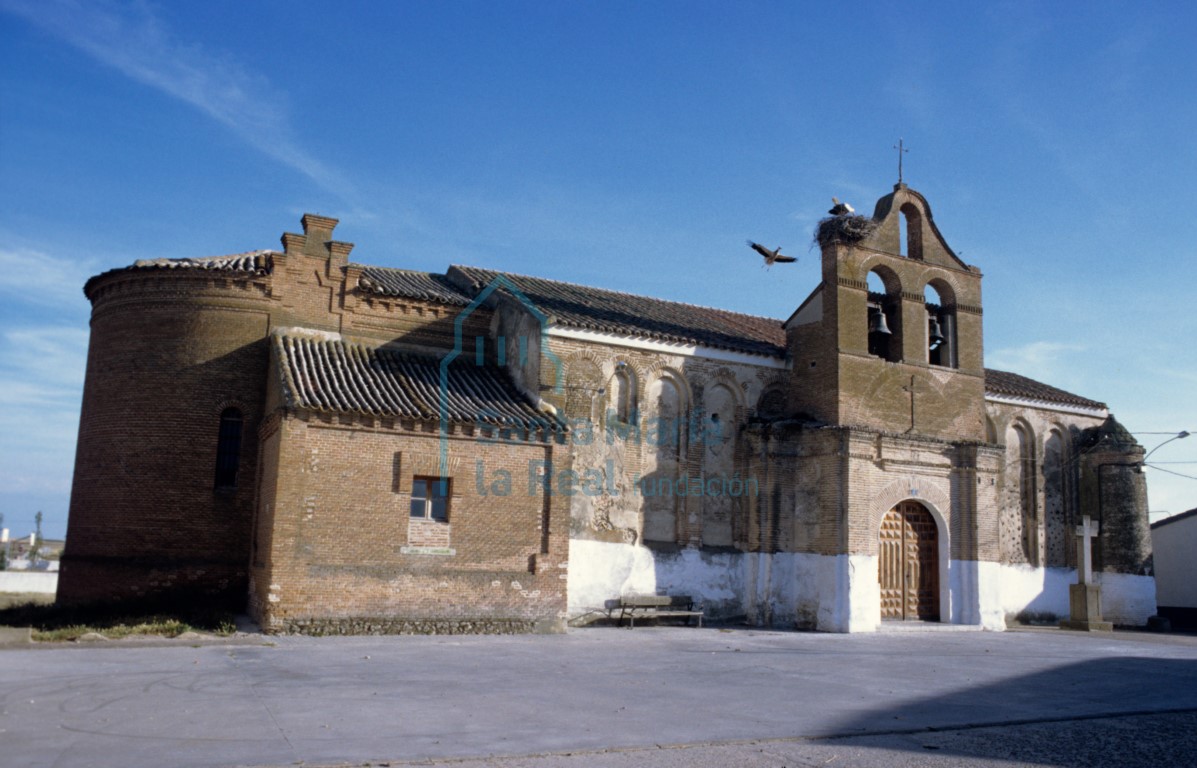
347, 448
1174, 540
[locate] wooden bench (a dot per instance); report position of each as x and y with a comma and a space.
655, 607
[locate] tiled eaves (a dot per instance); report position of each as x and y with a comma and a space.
1013, 385
320, 373
249, 263
411, 284
567, 304
598, 309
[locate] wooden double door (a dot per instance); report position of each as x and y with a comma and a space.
908, 568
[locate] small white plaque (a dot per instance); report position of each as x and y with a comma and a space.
427, 551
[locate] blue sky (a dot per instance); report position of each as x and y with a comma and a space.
632, 146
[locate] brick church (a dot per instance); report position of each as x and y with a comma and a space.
338, 447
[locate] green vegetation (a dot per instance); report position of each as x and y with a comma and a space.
57, 623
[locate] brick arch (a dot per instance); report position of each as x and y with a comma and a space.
933, 495
891, 279
1019, 516
1065, 435
583, 388
658, 370
1054, 462
685, 397
913, 215
587, 354
991, 432
640, 371
247, 412
757, 385
775, 388
728, 379
944, 285
925, 490
625, 369
1002, 425
1033, 438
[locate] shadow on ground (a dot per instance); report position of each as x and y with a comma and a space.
991, 720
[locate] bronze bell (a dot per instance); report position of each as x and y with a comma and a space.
936, 335
878, 323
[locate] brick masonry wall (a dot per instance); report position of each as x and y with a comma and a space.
1052, 497
166, 357
344, 546
625, 456
169, 351
1113, 492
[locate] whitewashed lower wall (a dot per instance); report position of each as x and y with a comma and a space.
1125, 598
836, 593
829, 593
975, 594
40, 582
1031, 591
600, 572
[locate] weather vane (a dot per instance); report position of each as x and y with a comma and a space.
901, 151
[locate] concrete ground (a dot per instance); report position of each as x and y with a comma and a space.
611, 698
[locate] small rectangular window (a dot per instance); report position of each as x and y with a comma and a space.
430, 498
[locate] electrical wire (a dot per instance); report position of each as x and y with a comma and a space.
1178, 474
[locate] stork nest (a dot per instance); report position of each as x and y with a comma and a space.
844, 229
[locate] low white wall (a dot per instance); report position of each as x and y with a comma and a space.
975, 594
1125, 598
1027, 589
829, 593
42, 582
600, 572
21, 564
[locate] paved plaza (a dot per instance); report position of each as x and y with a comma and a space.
667, 696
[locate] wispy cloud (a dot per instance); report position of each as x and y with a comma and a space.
1043, 360
41, 386
28, 275
132, 40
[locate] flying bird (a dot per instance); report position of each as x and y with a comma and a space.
772, 256
840, 209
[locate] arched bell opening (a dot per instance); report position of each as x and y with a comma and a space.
940, 343
884, 315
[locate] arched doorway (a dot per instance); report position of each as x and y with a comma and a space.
909, 565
